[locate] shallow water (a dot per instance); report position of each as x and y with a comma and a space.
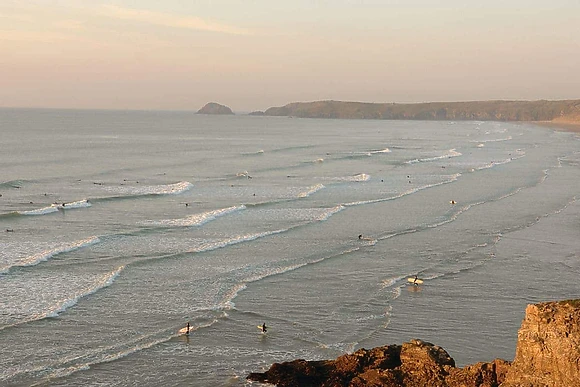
229, 222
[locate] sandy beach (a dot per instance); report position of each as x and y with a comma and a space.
567, 126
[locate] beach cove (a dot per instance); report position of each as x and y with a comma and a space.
229, 222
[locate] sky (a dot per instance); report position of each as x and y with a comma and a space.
255, 54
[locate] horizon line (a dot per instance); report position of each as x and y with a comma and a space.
251, 111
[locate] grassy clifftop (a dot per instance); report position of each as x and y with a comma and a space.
559, 111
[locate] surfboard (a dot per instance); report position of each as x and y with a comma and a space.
260, 328
415, 281
183, 331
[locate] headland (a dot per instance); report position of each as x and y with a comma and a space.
547, 355
560, 112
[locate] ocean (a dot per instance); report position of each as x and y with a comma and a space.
119, 227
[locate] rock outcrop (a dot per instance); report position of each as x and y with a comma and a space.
548, 350
416, 363
547, 355
215, 108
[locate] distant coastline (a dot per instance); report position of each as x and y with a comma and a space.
563, 114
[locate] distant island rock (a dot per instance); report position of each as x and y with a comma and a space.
215, 108
256, 113
565, 111
547, 355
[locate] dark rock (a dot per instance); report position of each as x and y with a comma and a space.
413, 364
547, 355
215, 108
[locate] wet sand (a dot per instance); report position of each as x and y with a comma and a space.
571, 126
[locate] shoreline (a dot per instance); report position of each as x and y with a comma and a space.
546, 355
572, 126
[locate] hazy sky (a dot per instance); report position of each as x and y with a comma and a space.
254, 54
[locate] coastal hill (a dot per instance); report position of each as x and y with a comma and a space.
564, 111
215, 108
547, 355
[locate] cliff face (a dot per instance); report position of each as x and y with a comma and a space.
548, 351
560, 111
547, 355
215, 108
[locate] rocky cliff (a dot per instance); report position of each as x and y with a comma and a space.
547, 355
215, 108
565, 111
548, 349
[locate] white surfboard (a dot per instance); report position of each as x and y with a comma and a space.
260, 328
183, 331
415, 281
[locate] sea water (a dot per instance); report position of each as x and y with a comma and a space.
119, 227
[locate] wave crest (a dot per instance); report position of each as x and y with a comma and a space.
198, 219
167, 189
45, 255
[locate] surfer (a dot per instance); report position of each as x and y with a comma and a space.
415, 280
187, 330
360, 236
264, 328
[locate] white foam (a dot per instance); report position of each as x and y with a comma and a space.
56, 207
360, 177
340, 347
386, 150
397, 292
501, 162
40, 211
169, 189
78, 204
227, 301
388, 282
449, 179
209, 246
449, 154
101, 282
311, 190
331, 211
69, 366
45, 255
57, 306
372, 317
497, 139
198, 219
